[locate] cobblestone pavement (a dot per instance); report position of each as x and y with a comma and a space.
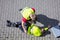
9, 10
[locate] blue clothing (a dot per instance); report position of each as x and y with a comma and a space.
17, 24
25, 24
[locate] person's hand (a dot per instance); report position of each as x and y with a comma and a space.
49, 26
43, 30
25, 31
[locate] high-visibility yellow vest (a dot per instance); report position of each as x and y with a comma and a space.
26, 12
33, 29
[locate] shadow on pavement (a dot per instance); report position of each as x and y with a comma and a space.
46, 21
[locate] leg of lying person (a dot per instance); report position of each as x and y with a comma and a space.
13, 24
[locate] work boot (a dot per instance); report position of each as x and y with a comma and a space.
8, 23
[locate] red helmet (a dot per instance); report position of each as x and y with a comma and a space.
33, 9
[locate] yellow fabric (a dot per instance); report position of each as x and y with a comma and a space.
36, 31
33, 29
26, 12
46, 29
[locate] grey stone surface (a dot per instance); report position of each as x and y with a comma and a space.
9, 10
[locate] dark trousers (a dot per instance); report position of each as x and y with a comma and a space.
17, 24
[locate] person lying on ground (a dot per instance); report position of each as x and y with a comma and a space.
30, 28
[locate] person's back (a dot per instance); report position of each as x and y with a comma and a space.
36, 31
28, 14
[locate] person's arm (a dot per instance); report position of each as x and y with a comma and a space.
23, 26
